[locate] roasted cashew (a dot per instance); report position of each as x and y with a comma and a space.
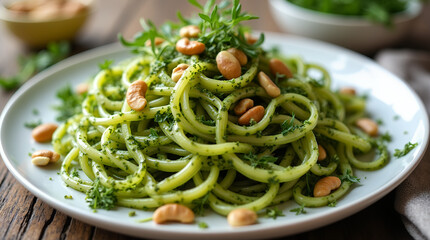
178, 71
43, 133
51, 155
268, 85
241, 217
243, 106
157, 41
256, 113
228, 65
239, 55
278, 67
322, 154
325, 185
136, 95
368, 126
187, 47
173, 212
190, 31
348, 91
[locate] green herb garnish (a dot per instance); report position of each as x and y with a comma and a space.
70, 103
33, 124
406, 149
262, 161
101, 197
203, 225
274, 213
349, 177
68, 197
299, 210
288, 125
34, 63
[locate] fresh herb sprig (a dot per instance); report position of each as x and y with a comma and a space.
220, 29
34, 63
406, 149
70, 103
101, 197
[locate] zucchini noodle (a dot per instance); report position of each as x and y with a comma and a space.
186, 144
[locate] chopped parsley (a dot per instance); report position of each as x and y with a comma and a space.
203, 225
349, 177
406, 149
105, 65
131, 213
262, 161
101, 197
274, 213
32, 124
299, 210
75, 173
288, 126
68, 197
70, 103
153, 133
200, 204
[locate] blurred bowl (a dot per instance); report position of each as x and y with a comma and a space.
355, 33
39, 31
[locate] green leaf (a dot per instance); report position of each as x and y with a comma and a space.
299, 210
70, 103
100, 197
406, 149
274, 213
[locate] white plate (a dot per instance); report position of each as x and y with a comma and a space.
390, 99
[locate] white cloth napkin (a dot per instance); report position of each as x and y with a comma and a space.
412, 199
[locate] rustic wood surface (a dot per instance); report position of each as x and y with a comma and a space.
23, 216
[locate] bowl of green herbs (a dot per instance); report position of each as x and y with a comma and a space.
361, 25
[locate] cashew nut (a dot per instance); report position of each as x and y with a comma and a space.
190, 31
187, 47
325, 185
239, 55
322, 154
43, 133
368, 126
178, 71
241, 217
82, 88
243, 106
40, 161
51, 155
157, 41
250, 39
268, 85
256, 113
228, 65
173, 212
348, 91
278, 67
136, 95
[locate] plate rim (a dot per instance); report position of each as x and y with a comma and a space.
275, 231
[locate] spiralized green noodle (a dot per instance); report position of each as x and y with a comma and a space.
186, 144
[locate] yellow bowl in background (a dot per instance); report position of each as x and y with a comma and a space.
39, 32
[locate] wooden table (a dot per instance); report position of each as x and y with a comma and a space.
23, 216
